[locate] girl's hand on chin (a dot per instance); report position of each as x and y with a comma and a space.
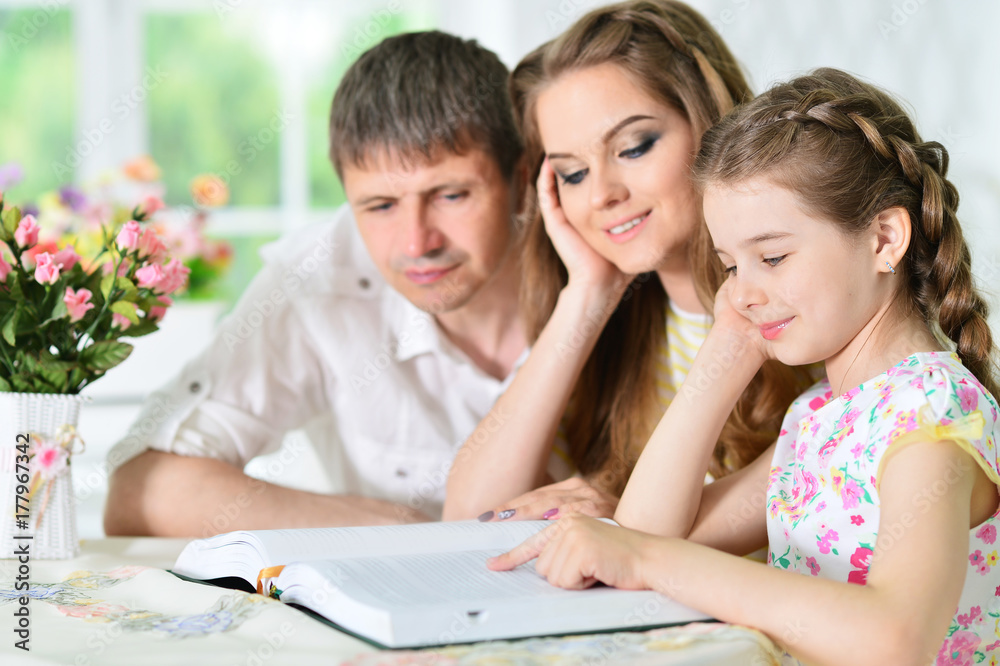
731, 323
585, 266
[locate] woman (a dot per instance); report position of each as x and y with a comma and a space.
612, 113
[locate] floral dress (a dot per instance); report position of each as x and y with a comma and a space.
822, 498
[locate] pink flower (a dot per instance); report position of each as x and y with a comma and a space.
976, 558
151, 247
850, 494
151, 204
968, 398
49, 459
46, 272
128, 237
959, 649
120, 321
813, 565
149, 276
156, 314
988, 533
824, 542
77, 302
27, 231
857, 520
66, 258
861, 560
175, 276
816, 403
5, 269
858, 448
974, 613
983, 569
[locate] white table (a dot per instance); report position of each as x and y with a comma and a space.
115, 604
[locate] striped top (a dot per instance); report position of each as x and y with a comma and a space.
686, 331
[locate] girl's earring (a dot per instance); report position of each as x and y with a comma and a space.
891, 269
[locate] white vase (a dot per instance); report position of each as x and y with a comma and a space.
51, 521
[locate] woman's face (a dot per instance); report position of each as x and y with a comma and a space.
622, 161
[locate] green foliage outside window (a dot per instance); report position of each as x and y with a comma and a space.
39, 93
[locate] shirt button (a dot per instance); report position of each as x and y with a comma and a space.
194, 387
401, 473
364, 283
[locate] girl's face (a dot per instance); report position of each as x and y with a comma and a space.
808, 287
622, 161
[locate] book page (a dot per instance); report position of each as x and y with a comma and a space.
434, 599
409, 581
244, 553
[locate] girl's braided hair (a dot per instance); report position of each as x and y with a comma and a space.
848, 151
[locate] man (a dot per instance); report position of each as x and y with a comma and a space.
387, 334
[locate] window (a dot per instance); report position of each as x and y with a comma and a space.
237, 88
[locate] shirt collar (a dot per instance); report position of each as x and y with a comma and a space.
410, 331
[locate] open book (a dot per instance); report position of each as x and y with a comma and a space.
422, 585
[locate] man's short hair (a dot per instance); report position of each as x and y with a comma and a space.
417, 92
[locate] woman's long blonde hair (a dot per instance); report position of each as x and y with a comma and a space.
676, 56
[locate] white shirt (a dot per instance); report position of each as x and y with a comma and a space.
319, 341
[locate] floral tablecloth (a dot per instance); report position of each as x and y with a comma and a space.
115, 604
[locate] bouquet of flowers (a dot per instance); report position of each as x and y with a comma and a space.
63, 310
77, 215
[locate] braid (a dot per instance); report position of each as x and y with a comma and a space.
848, 149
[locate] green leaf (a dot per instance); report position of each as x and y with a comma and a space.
10, 327
145, 327
77, 377
126, 310
104, 355
11, 218
22, 384
129, 291
4, 385
106, 285
53, 373
58, 312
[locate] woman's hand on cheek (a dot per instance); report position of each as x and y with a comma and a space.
584, 265
731, 323
578, 551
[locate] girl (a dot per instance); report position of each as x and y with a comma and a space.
836, 227
618, 104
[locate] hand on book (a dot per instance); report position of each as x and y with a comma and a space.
578, 551
574, 495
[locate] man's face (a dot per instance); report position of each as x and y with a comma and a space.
438, 231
